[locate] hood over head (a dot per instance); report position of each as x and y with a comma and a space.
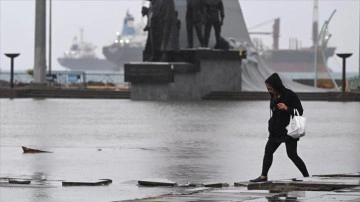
275, 82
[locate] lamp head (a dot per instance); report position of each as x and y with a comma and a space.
344, 55
12, 55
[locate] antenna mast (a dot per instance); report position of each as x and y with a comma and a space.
315, 24
315, 32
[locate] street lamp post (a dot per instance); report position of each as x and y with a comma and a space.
344, 56
12, 56
50, 35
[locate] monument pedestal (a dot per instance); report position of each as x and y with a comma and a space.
196, 73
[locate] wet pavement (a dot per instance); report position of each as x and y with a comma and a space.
241, 194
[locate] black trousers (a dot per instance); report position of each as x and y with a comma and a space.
291, 150
217, 29
189, 29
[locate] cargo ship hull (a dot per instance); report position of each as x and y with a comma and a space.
88, 64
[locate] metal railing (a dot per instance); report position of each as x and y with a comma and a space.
67, 78
354, 83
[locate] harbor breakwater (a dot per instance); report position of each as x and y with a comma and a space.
125, 94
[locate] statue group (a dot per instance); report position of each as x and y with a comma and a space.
203, 15
163, 26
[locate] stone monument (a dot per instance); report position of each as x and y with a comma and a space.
190, 74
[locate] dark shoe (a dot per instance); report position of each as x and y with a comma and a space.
296, 180
259, 179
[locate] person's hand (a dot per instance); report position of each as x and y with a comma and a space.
144, 11
282, 106
146, 28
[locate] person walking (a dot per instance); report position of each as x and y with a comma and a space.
282, 104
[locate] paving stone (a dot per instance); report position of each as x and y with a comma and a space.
156, 182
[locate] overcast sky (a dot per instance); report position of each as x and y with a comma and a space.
100, 20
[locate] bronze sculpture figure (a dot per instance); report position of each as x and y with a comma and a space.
214, 18
195, 18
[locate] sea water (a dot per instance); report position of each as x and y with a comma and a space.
126, 141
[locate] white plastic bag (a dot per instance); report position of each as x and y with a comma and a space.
296, 127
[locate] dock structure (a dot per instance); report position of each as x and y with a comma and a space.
126, 94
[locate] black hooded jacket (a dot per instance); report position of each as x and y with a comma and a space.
279, 118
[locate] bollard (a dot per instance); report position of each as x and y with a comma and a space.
12, 56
